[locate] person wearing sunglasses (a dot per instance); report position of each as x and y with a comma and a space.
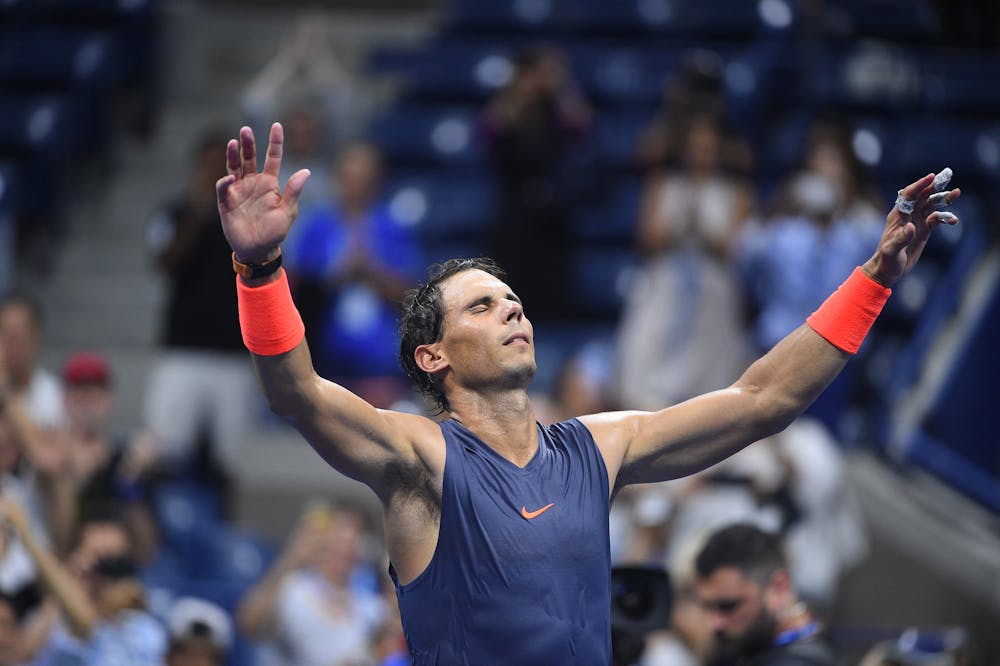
744, 587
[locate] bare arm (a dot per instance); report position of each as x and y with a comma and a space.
255, 615
358, 440
642, 447
68, 594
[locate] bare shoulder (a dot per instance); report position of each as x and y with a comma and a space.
613, 432
424, 436
613, 428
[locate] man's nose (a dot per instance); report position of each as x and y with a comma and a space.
515, 311
718, 621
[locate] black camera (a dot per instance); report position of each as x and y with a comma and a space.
641, 602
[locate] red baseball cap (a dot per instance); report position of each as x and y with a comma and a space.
86, 368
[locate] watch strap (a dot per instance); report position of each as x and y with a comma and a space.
253, 270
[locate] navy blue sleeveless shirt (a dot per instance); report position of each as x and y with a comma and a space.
522, 569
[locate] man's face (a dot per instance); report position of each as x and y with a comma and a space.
89, 406
341, 544
486, 340
739, 611
18, 340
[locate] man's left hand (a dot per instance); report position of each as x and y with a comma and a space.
905, 234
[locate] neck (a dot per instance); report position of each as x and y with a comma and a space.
504, 420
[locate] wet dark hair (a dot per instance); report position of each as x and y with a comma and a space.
423, 317
755, 553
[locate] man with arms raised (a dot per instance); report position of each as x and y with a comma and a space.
497, 527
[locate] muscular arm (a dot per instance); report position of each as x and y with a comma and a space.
358, 440
700, 432
642, 447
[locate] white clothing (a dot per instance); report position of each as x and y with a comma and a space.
321, 626
193, 391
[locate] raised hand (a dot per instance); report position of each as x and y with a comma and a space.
905, 233
256, 215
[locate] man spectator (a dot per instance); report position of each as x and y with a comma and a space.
744, 585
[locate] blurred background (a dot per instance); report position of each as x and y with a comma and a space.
672, 185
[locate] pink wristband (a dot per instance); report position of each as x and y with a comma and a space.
270, 323
847, 315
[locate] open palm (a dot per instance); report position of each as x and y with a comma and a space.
256, 215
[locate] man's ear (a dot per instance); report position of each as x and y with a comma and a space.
429, 358
779, 590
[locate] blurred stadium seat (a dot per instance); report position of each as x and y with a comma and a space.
429, 136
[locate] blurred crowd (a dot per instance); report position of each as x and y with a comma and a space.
722, 272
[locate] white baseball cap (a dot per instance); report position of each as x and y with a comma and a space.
191, 616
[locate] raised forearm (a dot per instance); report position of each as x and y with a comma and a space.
68, 594
255, 614
786, 380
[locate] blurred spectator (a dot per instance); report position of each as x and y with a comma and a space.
84, 472
308, 146
201, 385
681, 332
742, 583
696, 88
825, 223
791, 483
583, 385
201, 633
101, 619
389, 642
21, 324
308, 70
536, 128
321, 104
688, 638
18, 575
307, 605
350, 261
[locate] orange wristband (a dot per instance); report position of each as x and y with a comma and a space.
847, 315
270, 322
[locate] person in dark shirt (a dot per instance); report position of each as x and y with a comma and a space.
200, 389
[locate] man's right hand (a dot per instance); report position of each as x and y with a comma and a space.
256, 216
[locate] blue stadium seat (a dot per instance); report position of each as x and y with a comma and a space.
600, 276
955, 82
448, 70
443, 204
230, 555
47, 58
10, 188
895, 20
429, 136
37, 132
613, 221
641, 18
972, 149
618, 134
181, 508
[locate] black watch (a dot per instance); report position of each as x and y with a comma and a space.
250, 271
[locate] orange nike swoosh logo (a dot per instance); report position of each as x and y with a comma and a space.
534, 514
